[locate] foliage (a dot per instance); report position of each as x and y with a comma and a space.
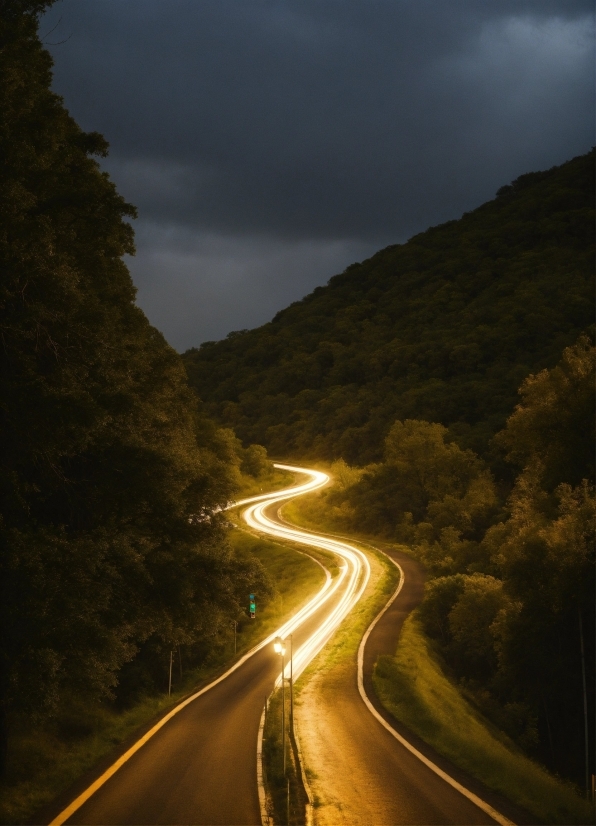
427, 491
413, 685
50, 757
292, 576
442, 328
554, 424
423, 479
112, 479
511, 585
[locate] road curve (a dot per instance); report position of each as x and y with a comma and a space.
198, 764
376, 771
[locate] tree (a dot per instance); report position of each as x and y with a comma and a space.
545, 555
428, 477
554, 423
111, 480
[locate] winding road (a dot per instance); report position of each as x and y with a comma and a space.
198, 765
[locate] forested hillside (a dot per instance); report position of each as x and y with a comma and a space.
444, 328
112, 546
407, 370
509, 599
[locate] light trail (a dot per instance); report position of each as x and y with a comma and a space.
356, 569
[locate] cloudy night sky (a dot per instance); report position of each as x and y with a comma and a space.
270, 143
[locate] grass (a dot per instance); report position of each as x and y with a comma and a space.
271, 480
383, 581
295, 578
45, 760
414, 688
314, 513
340, 650
286, 792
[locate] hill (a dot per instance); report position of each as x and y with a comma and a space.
444, 328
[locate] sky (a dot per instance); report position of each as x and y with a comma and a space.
268, 144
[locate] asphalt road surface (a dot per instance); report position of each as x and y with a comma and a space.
200, 768
363, 775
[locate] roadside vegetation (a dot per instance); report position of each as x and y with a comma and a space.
114, 538
414, 686
287, 797
46, 759
509, 598
294, 579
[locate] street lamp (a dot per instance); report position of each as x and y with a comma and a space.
279, 646
291, 685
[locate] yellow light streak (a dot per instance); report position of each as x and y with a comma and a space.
356, 569
307, 651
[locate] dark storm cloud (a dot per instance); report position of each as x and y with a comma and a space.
339, 124
191, 281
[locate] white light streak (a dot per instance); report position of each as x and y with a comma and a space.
354, 573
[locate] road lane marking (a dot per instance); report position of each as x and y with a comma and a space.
265, 819
317, 480
482, 804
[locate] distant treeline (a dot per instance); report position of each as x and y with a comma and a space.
443, 328
113, 548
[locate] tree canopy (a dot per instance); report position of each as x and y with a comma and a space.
111, 477
443, 328
510, 597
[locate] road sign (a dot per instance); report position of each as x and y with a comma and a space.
252, 606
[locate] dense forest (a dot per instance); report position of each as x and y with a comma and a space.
113, 547
509, 599
443, 328
451, 382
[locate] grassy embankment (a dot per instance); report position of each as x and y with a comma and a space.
269, 480
47, 759
415, 688
287, 798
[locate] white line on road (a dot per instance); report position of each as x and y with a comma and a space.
316, 480
490, 811
358, 562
